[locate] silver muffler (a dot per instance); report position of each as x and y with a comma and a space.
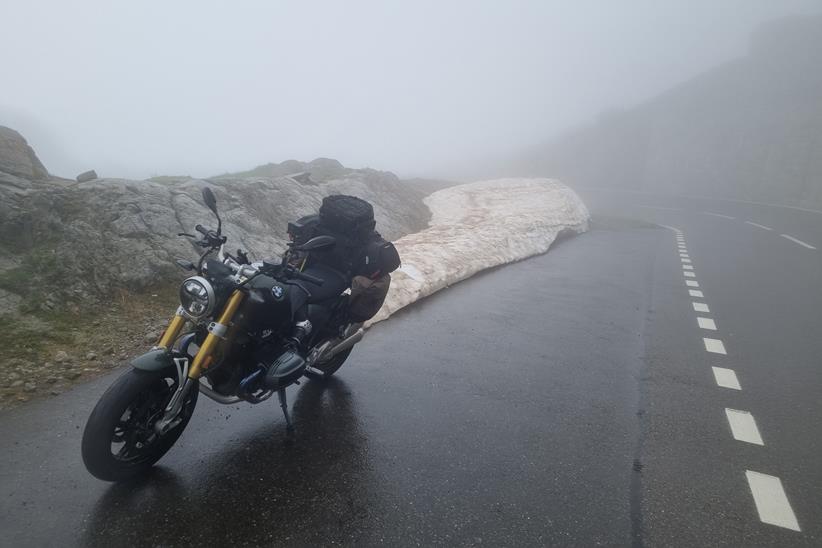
329, 349
344, 345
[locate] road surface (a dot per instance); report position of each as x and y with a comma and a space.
585, 397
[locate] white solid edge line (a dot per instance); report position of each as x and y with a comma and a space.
758, 225
771, 501
706, 323
695, 293
795, 240
692, 283
701, 307
718, 215
714, 346
689, 274
743, 426
726, 378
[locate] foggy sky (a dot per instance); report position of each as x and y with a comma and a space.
134, 89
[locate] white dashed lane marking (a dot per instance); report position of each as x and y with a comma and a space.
798, 241
769, 496
743, 426
714, 346
763, 227
726, 378
771, 500
718, 215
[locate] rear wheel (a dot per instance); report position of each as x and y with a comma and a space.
324, 370
119, 440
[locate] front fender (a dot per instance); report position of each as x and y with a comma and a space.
153, 360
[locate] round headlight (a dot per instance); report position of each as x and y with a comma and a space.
197, 296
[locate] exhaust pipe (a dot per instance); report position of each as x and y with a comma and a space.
219, 398
342, 346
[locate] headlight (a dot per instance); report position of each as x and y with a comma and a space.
197, 296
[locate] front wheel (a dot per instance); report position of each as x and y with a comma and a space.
119, 440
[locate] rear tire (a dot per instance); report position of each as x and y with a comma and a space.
324, 370
118, 441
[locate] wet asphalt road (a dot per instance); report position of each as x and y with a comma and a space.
563, 400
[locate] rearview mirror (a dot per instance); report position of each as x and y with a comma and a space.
209, 199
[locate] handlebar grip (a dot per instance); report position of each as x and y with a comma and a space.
310, 279
201, 229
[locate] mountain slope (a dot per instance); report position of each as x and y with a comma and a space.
750, 129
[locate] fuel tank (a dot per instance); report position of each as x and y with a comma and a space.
268, 305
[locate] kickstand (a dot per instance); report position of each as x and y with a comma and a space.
284, 405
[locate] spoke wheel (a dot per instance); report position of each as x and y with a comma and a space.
119, 440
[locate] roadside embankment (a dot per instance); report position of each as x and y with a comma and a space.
477, 226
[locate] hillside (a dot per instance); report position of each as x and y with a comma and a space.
750, 129
87, 269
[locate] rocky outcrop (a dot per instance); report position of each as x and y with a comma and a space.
67, 243
17, 159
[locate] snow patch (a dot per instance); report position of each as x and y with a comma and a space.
477, 226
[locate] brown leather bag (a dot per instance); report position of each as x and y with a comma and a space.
367, 297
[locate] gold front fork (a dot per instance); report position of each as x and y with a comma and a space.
205, 355
171, 332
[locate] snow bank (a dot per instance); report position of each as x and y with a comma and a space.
478, 226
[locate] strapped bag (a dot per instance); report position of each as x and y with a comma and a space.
379, 258
367, 297
348, 216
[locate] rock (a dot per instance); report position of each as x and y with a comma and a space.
152, 337
55, 392
30, 387
91, 356
17, 384
87, 176
13, 376
52, 380
61, 356
73, 375
17, 157
112, 234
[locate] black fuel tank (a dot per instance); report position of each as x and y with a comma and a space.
268, 305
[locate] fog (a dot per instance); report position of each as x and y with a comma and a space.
419, 88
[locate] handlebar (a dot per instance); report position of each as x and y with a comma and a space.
201, 229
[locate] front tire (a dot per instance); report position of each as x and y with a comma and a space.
119, 441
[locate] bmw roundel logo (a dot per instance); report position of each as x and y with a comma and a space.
278, 292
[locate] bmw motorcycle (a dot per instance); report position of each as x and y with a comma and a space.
232, 315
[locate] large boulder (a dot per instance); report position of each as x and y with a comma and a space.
17, 158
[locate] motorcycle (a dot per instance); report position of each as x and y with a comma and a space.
232, 314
